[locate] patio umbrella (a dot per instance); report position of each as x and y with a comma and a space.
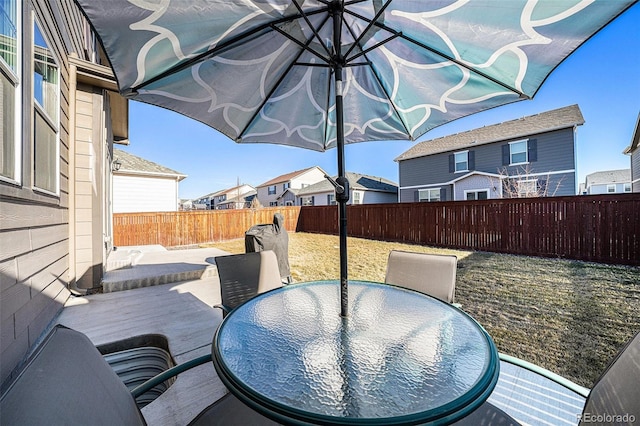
320, 74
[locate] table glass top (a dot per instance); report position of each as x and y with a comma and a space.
398, 353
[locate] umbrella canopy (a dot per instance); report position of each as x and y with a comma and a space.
321, 73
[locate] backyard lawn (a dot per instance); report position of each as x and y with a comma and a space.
567, 316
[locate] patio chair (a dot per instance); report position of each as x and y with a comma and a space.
243, 276
533, 395
432, 274
66, 381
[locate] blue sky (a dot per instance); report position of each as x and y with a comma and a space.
602, 77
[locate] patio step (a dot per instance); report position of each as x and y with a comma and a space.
138, 267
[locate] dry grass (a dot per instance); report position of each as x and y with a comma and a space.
569, 317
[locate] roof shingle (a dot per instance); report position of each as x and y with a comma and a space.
561, 118
133, 163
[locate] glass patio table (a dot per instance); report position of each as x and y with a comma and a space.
399, 357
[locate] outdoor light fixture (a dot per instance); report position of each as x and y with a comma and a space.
115, 165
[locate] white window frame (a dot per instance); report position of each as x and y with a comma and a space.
13, 78
52, 122
306, 201
428, 192
476, 191
611, 188
331, 199
526, 152
286, 186
627, 187
528, 192
271, 189
465, 162
357, 197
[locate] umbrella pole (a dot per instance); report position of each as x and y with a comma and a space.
341, 196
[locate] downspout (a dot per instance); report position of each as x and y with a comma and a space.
73, 84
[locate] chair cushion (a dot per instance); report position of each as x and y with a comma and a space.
67, 382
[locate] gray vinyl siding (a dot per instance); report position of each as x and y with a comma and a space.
635, 170
555, 152
377, 197
34, 227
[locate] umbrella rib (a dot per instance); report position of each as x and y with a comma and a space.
382, 88
441, 54
305, 47
369, 25
315, 32
219, 48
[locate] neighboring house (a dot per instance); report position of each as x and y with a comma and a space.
239, 202
532, 154
61, 114
233, 198
141, 185
186, 205
633, 151
218, 199
363, 190
270, 193
205, 202
608, 182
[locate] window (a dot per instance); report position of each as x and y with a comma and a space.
357, 197
46, 96
307, 201
273, 203
518, 152
462, 161
527, 188
480, 194
331, 199
429, 194
10, 60
611, 188
272, 189
627, 187
286, 185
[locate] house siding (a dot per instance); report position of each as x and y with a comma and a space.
635, 170
377, 197
478, 182
133, 194
307, 178
36, 266
555, 152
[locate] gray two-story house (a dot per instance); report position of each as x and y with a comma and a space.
528, 157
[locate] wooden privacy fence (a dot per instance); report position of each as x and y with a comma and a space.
599, 228
602, 228
172, 229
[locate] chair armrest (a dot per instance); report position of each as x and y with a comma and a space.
224, 308
174, 371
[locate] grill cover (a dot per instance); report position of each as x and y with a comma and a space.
271, 236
